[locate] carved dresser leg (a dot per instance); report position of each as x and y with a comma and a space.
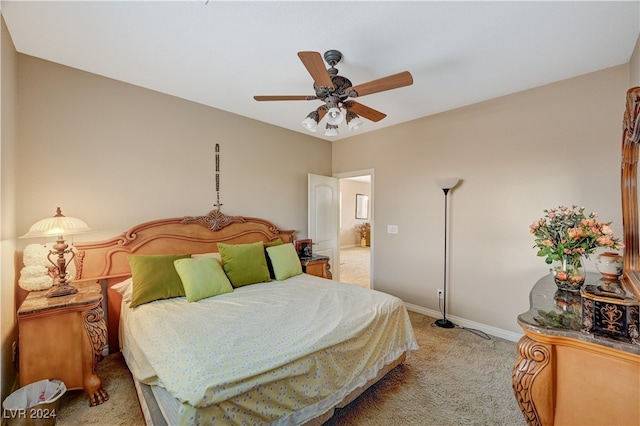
530, 379
95, 339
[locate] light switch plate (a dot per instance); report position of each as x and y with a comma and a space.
392, 229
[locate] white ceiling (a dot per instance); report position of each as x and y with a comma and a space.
221, 53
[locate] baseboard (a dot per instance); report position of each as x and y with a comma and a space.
493, 331
348, 247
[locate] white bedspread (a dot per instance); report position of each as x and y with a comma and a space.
221, 347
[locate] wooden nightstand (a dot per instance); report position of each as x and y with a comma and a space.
63, 338
316, 265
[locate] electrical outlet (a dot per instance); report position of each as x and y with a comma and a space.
440, 293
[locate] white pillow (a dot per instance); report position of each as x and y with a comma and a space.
125, 288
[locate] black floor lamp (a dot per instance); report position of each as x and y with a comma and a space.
446, 185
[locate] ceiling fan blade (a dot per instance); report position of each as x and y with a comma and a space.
283, 98
365, 111
315, 65
380, 85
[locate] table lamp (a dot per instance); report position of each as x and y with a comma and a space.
59, 226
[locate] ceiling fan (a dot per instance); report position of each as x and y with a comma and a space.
335, 91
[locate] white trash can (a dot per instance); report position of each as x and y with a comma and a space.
35, 404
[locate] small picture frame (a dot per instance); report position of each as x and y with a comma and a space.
304, 248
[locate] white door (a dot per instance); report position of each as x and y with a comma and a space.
323, 213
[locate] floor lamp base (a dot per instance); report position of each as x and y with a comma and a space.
444, 323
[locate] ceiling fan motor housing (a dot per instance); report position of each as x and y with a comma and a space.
340, 84
339, 89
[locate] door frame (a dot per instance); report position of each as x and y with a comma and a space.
355, 173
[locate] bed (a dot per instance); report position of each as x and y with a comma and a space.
286, 349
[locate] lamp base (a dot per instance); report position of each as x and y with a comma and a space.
444, 323
61, 290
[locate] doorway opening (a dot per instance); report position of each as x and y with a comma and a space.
355, 243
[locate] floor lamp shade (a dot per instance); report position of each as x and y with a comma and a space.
446, 184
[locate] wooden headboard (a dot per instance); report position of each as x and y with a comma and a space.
106, 261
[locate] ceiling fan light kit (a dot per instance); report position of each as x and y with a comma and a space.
331, 130
353, 121
310, 123
334, 90
335, 116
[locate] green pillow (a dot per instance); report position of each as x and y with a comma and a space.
273, 243
202, 277
244, 263
154, 277
285, 261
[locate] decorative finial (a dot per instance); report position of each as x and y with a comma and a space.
218, 204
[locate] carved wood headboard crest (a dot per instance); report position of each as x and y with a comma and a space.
214, 220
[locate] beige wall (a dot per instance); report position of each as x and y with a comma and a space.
8, 89
516, 155
348, 221
127, 155
635, 66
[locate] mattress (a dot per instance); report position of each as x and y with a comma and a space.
282, 352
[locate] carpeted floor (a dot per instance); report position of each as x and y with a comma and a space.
355, 266
455, 378
122, 408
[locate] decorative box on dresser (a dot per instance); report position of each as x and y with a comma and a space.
63, 338
317, 265
565, 375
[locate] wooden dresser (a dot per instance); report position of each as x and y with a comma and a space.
565, 376
63, 338
317, 265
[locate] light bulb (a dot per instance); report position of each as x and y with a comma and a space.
334, 116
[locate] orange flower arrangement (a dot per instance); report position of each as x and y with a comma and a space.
567, 231
363, 229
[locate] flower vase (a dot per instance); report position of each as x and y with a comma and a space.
363, 242
569, 274
609, 264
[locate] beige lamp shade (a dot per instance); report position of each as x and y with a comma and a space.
56, 226
447, 183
